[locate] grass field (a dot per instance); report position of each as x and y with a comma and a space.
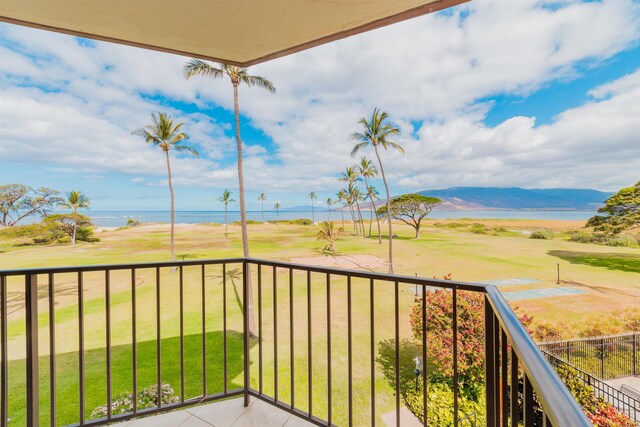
609, 275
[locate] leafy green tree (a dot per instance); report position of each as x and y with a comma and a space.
18, 201
238, 76
377, 133
410, 209
620, 212
368, 170
262, 198
59, 226
226, 199
75, 200
167, 136
313, 197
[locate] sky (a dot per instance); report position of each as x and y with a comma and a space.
528, 93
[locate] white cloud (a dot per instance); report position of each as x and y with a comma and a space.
73, 105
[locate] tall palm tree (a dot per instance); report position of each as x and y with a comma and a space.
226, 199
313, 197
167, 136
277, 206
368, 170
75, 200
358, 197
342, 198
262, 198
329, 203
351, 176
237, 76
377, 132
373, 195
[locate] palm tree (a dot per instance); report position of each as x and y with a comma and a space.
368, 170
276, 206
373, 195
358, 197
313, 197
166, 136
377, 133
329, 203
262, 198
226, 199
350, 176
328, 233
342, 197
75, 200
237, 76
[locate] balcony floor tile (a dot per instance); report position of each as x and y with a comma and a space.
228, 413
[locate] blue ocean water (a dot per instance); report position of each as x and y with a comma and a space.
119, 218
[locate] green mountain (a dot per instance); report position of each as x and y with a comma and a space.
464, 198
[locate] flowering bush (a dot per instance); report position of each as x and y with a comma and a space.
147, 398
600, 412
439, 335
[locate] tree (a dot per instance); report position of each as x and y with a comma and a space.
620, 212
18, 201
226, 199
237, 76
329, 203
277, 206
75, 200
342, 198
377, 133
368, 170
373, 195
351, 177
328, 233
163, 134
262, 198
410, 209
57, 226
313, 197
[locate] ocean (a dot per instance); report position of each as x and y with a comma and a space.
119, 218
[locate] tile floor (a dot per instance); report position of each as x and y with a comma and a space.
228, 413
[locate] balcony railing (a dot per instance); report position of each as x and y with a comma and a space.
76, 338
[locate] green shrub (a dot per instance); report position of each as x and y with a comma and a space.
582, 237
500, 229
147, 398
543, 234
624, 240
133, 222
479, 228
249, 222
440, 404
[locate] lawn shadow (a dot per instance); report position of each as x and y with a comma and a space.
235, 277
611, 261
95, 371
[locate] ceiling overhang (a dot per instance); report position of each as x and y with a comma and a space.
240, 32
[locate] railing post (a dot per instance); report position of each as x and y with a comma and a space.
635, 354
602, 355
245, 328
31, 306
489, 363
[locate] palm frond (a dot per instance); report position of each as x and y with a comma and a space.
358, 147
257, 81
197, 67
181, 148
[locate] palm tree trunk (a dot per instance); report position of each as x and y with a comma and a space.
243, 213
353, 218
361, 221
75, 226
262, 210
386, 188
173, 256
329, 219
226, 224
342, 215
313, 213
373, 211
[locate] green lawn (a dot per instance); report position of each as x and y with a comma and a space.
608, 274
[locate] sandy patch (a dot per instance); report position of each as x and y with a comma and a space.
347, 262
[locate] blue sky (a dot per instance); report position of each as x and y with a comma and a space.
491, 93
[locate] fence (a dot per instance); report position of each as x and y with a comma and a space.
624, 402
306, 339
603, 357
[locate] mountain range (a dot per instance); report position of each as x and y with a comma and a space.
489, 198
